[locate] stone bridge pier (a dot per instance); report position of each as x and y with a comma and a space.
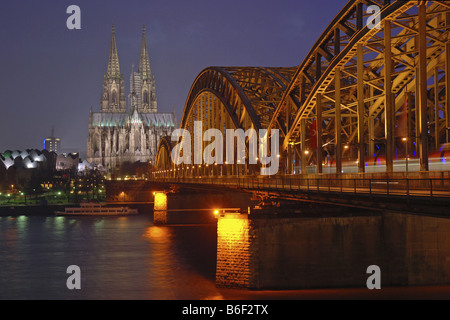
195, 206
288, 252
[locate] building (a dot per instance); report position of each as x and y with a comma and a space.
52, 143
118, 133
67, 161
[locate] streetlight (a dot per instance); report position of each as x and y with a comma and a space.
407, 155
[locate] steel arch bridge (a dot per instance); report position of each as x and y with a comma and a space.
371, 94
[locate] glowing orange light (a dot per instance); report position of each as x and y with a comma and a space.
234, 230
155, 232
160, 201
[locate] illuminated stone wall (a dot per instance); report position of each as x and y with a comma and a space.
266, 252
271, 252
235, 252
160, 208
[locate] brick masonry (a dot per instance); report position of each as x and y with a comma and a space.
235, 252
282, 253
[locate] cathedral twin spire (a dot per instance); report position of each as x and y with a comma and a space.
121, 133
113, 88
144, 62
113, 70
113, 62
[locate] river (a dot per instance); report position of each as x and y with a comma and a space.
129, 258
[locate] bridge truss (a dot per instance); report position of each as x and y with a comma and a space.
365, 93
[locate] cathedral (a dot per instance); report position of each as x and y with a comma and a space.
118, 133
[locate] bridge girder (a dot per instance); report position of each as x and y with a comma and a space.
249, 95
359, 85
163, 155
234, 98
412, 42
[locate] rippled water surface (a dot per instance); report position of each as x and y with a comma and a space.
119, 258
130, 258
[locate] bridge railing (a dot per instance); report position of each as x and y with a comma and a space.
427, 187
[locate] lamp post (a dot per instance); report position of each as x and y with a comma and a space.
407, 155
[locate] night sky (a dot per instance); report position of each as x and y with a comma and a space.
52, 76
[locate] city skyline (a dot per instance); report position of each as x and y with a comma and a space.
228, 151
51, 75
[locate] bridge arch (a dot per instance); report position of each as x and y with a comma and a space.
363, 93
248, 94
343, 89
234, 98
163, 154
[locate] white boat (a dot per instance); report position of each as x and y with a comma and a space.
95, 209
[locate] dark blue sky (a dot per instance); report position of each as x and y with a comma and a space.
52, 76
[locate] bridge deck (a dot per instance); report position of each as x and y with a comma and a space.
412, 195
421, 187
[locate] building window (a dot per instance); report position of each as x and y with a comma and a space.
114, 97
145, 97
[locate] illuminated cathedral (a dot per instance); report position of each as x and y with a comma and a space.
123, 132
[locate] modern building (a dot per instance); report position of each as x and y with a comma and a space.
121, 133
52, 143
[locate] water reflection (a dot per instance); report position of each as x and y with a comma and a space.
22, 222
156, 232
120, 258
172, 264
124, 258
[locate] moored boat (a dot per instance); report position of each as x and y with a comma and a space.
96, 209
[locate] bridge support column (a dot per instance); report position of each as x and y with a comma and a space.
423, 125
160, 208
303, 145
235, 266
265, 251
337, 121
319, 132
436, 109
409, 136
447, 86
388, 98
361, 109
259, 251
371, 131
289, 159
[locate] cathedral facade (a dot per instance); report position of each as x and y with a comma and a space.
123, 132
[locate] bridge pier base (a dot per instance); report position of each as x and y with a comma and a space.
271, 252
195, 207
286, 252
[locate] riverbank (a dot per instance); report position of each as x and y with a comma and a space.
46, 210
30, 210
